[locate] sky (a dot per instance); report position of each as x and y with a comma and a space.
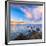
26, 13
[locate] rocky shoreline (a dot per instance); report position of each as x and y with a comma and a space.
35, 35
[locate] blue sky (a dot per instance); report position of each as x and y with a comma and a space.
17, 14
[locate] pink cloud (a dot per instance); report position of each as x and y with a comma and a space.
27, 12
